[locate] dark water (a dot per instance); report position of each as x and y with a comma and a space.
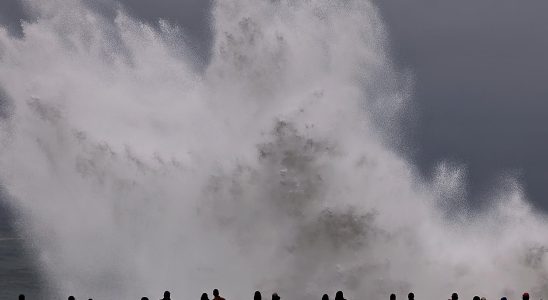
18, 272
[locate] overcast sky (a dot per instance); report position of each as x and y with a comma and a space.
482, 85
481, 79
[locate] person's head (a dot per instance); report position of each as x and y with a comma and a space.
167, 295
503, 298
257, 295
216, 293
21, 297
454, 296
144, 298
325, 297
476, 298
275, 296
410, 296
525, 296
339, 295
71, 298
205, 297
392, 296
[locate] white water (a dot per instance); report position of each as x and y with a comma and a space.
135, 173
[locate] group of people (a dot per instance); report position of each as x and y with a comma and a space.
338, 296
258, 296
216, 296
455, 296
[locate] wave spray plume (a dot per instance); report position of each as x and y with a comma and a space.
134, 171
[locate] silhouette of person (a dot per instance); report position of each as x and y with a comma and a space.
503, 298
454, 296
257, 295
325, 297
21, 297
205, 296
476, 298
216, 295
525, 296
392, 296
144, 298
71, 298
411, 296
167, 296
275, 296
339, 296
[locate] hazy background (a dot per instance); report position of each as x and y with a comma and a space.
481, 86
480, 69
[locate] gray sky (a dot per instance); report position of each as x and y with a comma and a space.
11, 11
482, 94
481, 71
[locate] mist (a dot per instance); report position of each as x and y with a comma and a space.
135, 170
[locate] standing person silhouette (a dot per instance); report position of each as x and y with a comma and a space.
411, 296
392, 296
21, 297
71, 298
167, 296
325, 297
525, 296
339, 296
275, 296
204, 297
257, 295
454, 296
216, 295
144, 298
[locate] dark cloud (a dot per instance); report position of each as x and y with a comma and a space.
11, 14
192, 16
481, 90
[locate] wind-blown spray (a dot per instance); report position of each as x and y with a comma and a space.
136, 173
